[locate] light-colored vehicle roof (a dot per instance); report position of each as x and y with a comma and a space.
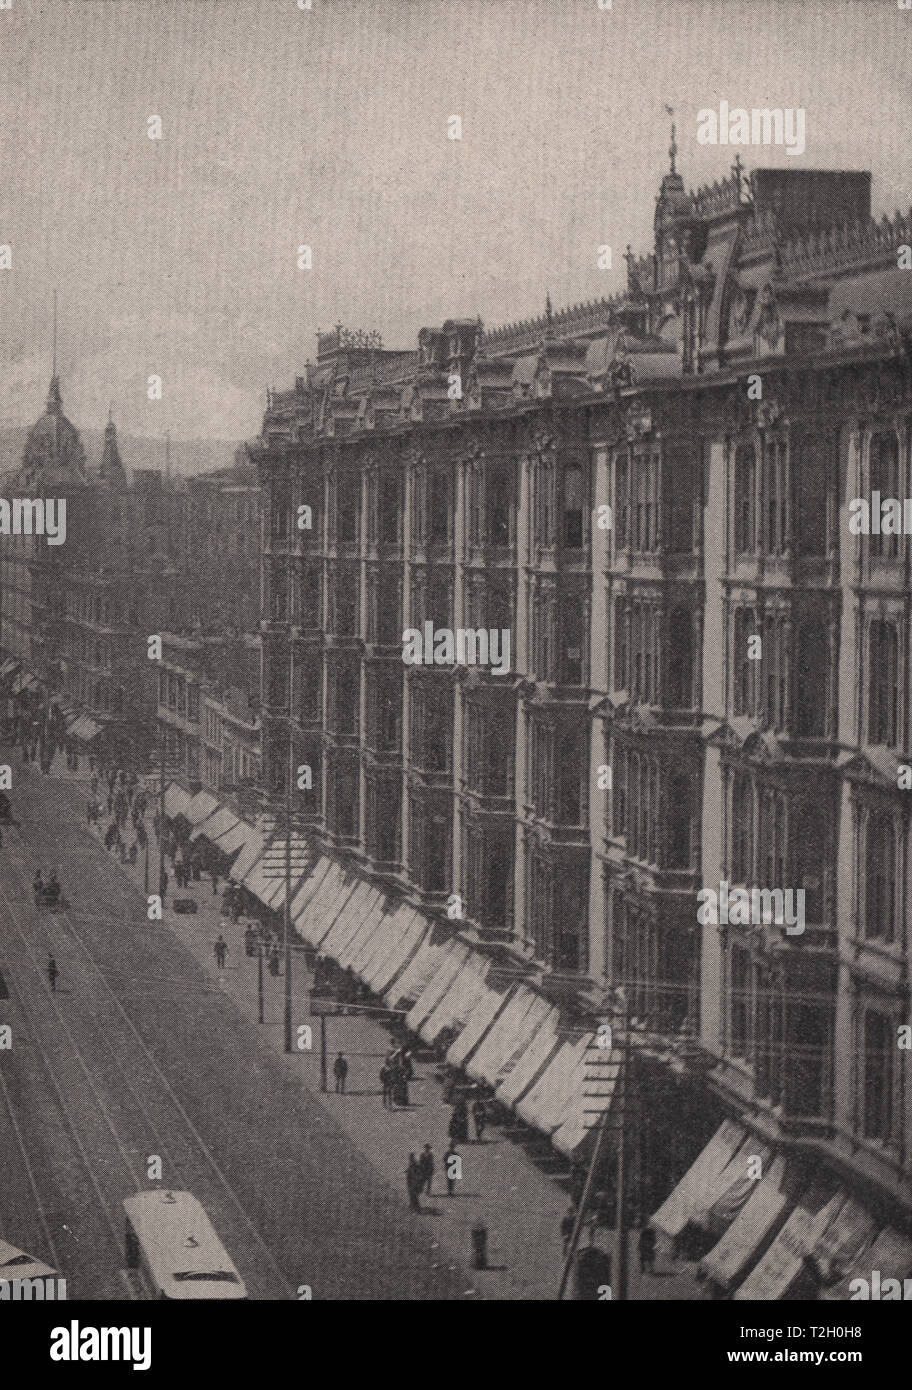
181, 1246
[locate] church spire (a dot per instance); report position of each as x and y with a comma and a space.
112, 469
673, 147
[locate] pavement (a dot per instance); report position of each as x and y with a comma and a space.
502, 1188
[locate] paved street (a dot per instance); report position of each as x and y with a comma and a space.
140, 1053
146, 1048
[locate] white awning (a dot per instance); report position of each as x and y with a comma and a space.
699, 1186
546, 1104
234, 838
201, 807
410, 931
368, 920
348, 920
593, 1085
458, 1001
252, 849
421, 969
333, 905
533, 1061
730, 1258
451, 960
219, 823
510, 1033
777, 1271
478, 1024
177, 801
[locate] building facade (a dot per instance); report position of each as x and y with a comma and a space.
634, 490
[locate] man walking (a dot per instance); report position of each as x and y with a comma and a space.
426, 1164
221, 951
52, 974
340, 1072
215, 882
386, 1082
413, 1182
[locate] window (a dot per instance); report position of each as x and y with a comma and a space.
883, 683
812, 678
620, 645
739, 1002
744, 627
813, 498
619, 791
885, 480
680, 821
621, 500
439, 507
745, 494
742, 864
573, 507
680, 660
879, 1048
880, 878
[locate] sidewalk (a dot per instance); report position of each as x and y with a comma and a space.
501, 1187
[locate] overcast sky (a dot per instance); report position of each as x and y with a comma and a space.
329, 127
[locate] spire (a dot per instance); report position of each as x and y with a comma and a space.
112, 469
54, 341
548, 309
673, 147
54, 403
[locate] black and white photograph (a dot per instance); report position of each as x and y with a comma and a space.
456, 663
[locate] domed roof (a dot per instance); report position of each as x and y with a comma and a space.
53, 453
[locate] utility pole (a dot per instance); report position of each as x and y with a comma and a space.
161, 805
260, 976
288, 795
620, 1259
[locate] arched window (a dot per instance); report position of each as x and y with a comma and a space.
883, 683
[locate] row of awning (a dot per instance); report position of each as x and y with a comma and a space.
766, 1227
504, 1035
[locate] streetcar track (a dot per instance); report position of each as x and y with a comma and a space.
165, 1084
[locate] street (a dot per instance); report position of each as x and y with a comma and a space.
140, 1054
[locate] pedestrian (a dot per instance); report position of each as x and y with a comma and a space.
215, 881
386, 1086
413, 1182
340, 1072
480, 1116
52, 974
400, 1087
221, 950
274, 959
426, 1164
451, 1166
647, 1248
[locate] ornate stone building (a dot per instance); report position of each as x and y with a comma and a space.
634, 489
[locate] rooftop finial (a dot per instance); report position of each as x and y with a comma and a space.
673, 148
54, 340
548, 310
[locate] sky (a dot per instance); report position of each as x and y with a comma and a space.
327, 127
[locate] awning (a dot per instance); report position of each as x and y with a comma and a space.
231, 840
479, 1023
509, 1034
533, 1061
217, 824
348, 920
889, 1252
700, 1185
456, 1004
261, 882
332, 909
777, 1271
593, 1091
376, 940
410, 931
730, 1258
408, 988
451, 961
839, 1246
374, 933
201, 807
324, 869
253, 848
177, 801
734, 1187
276, 858
369, 920
546, 1104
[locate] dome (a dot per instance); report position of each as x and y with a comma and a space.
53, 453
